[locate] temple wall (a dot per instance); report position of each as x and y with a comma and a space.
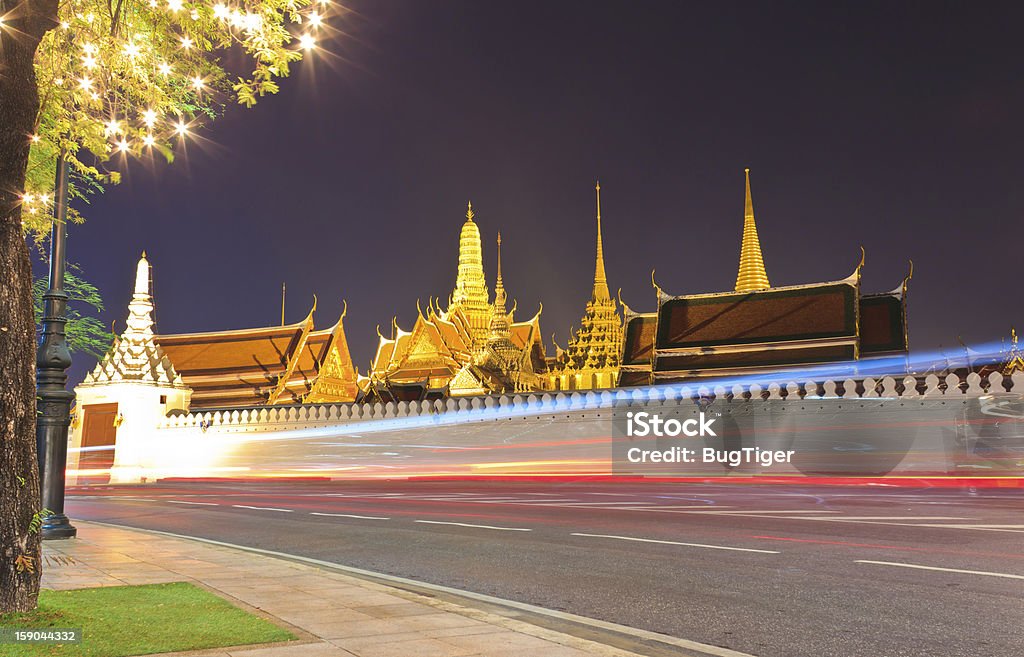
140, 408
925, 426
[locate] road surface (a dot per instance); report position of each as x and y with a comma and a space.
768, 570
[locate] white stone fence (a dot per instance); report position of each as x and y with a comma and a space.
276, 418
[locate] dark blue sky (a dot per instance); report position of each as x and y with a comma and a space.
895, 126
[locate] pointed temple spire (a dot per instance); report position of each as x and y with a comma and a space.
752, 275
134, 356
600, 280
499, 260
500, 325
140, 309
471, 294
499, 286
591, 357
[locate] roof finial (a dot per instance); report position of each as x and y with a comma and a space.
284, 290
469, 211
748, 205
600, 279
499, 257
499, 322
752, 275
142, 288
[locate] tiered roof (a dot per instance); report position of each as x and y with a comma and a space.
596, 346
471, 346
243, 367
267, 365
470, 294
326, 362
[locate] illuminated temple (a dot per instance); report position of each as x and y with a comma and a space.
591, 358
757, 328
474, 346
286, 364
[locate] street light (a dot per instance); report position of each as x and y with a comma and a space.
52, 359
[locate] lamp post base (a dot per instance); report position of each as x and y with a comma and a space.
57, 526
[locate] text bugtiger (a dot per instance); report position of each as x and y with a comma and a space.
732, 457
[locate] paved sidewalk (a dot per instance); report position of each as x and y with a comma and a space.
335, 615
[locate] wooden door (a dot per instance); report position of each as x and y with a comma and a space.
99, 435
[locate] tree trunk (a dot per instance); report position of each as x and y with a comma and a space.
25, 22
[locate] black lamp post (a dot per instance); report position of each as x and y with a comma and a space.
52, 359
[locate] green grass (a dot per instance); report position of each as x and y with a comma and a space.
118, 621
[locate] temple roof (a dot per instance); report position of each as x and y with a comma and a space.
883, 321
265, 365
733, 333
324, 369
638, 339
255, 349
799, 312
470, 331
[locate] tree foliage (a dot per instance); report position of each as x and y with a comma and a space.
99, 82
130, 78
86, 334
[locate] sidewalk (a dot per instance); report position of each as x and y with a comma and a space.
334, 615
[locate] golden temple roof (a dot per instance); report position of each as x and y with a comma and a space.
265, 365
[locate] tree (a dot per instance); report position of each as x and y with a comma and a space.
86, 334
98, 82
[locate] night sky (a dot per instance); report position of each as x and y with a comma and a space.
892, 126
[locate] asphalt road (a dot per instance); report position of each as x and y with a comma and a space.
770, 571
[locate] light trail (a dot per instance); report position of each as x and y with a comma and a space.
896, 367
475, 443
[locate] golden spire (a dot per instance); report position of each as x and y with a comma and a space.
591, 355
752, 275
499, 287
600, 281
471, 286
499, 326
